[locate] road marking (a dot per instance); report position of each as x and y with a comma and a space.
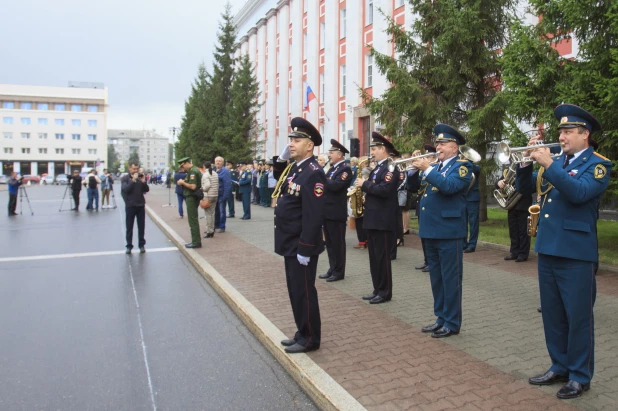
94, 254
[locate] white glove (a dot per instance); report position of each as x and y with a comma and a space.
303, 260
285, 154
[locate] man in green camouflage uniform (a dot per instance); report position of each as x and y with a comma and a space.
192, 182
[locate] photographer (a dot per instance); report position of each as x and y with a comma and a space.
133, 188
76, 187
92, 182
14, 184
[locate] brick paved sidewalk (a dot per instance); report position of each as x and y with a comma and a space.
378, 353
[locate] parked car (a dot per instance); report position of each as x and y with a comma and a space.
4, 179
48, 180
62, 179
30, 178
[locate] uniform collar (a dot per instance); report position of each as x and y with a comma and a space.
298, 163
337, 165
448, 160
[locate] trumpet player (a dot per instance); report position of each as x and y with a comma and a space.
442, 225
379, 223
570, 187
418, 184
338, 180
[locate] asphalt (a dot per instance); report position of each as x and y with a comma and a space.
111, 331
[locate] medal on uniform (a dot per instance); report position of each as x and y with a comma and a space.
297, 193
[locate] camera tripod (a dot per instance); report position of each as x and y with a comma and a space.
23, 193
66, 190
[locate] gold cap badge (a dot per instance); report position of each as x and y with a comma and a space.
564, 120
440, 135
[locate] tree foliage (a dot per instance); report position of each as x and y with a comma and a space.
113, 161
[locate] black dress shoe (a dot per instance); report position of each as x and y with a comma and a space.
288, 342
431, 328
369, 297
334, 278
539, 309
469, 250
443, 333
420, 267
209, 235
548, 378
572, 389
521, 259
128, 251
378, 300
425, 270
324, 276
142, 250
297, 348
192, 245
231, 216
407, 232
510, 257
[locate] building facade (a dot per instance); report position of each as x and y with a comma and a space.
152, 148
324, 45
52, 130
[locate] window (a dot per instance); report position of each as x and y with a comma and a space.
76, 122
322, 87
76, 151
92, 137
59, 107
322, 35
342, 80
8, 150
290, 100
25, 136
8, 104
25, 151
60, 122
25, 121
60, 151
92, 151
76, 136
42, 151
369, 13
8, 135
342, 135
342, 23
93, 108
305, 5
400, 3
7, 120
369, 82
42, 106
59, 136
92, 123
42, 136
42, 122
26, 106
277, 62
305, 45
76, 107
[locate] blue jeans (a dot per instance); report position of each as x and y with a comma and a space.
220, 215
93, 194
181, 199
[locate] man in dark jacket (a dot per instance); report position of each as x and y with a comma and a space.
133, 188
76, 188
179, 175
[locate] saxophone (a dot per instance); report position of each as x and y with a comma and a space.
508, 196
357, 198
533, 219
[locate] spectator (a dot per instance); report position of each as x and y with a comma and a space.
210, 187
254, 182
106, 188
272, 183
180, 175
225, 186
92, 182
234, 187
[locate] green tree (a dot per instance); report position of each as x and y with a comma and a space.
113, 161
134, 157
446, 71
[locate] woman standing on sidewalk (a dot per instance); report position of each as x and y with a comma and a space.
210, 187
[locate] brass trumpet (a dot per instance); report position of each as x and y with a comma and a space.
506, 154
394, 163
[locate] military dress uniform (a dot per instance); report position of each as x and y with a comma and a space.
299, 215
570, 190
442, 226
194, 176
473, 202
338, 180
230, 200
244, 187
418, 184
379, 223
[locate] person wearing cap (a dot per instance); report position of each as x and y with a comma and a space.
442, 225
473, 205
338, 181
244, 187
378, 221
420, 186
570, 186
234, 186
190, 184
264, 197
299, 215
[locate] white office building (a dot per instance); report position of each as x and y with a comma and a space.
52, 130
152, 148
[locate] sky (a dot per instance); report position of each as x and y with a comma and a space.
146, 52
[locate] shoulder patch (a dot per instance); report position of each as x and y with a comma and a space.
600, 171
388, 176
463, 171
313, 167
318, 189
600, 156
344, 175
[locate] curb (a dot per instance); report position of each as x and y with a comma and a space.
325, 392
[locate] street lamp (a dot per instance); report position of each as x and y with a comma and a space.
173, 130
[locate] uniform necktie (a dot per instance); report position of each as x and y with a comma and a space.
439, 167
567, 160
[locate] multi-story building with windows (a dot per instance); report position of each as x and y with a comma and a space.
152, 148
52, 130
324, 45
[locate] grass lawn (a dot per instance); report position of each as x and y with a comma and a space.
496, 230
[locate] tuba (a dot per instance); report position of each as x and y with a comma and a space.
357, 198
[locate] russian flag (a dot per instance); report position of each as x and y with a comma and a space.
309, 97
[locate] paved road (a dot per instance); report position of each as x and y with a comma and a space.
96, 329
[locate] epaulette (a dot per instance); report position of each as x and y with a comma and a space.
462, 161
600, 156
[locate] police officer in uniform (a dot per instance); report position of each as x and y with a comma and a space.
192, 182
473, 202
570, 187
338, 181
244, 187
442, 224
379, 223
299, 215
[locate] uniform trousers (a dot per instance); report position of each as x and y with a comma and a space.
246, 205
445, 259
568, 292
398, 233
230, 204
472, 222
334, 232
518, 231
76, 197
379, 243
133, 213
194, 222
300, 280
360, 231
